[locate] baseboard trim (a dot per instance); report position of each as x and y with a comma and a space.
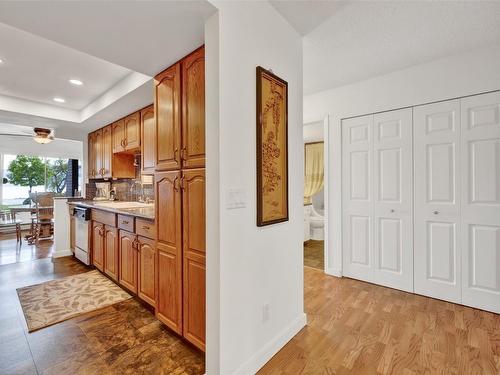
260, 358
62, 253
334, 272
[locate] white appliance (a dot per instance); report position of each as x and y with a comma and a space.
82, 220
421, 199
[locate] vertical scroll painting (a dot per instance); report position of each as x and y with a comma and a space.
272, 148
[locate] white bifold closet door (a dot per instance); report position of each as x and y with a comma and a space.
480, 164
377, 198
436, 138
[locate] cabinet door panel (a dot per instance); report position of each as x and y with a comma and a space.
148, 140
132, 131
168, 118
193, 208
169, 247
98, 151
193, 109
107, 151
437, 205
91, 172
118, 136
194, 299
480, 148
111, 252
98, 245
128, 261
147, 270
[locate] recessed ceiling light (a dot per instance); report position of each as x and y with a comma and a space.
1, 60
59, 100
76, 82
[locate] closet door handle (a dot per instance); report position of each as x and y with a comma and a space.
392, 210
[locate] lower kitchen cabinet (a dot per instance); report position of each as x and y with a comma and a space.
146, 289
111, 252
194, 299
194, 269
98, 245
128, 261
169, 248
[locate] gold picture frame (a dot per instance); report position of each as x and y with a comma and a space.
272, 148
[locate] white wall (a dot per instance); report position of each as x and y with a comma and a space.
454, 76
313, 132
258, 266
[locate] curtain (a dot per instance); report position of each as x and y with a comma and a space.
314, 169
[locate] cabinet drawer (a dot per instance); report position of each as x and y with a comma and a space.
145, 228
104, 217
126, 222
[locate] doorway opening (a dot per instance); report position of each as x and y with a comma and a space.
314, 195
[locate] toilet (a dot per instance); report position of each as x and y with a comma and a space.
316, 223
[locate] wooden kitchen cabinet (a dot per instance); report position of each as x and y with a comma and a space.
146, 288
103, 163
167, 96
98, 245
193, 110
91, 168
106, 152
169, 248
128, 260
111, 255
118, 136
127, 134
193, 224
148, 140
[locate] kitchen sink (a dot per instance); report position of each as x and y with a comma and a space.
124, 205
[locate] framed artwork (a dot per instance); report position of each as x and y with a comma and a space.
272, 148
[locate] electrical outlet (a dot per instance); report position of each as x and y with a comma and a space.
265, 312
236, 198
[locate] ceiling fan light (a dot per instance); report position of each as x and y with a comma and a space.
42, 136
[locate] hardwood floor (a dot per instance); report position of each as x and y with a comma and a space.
12, 252
314, 255
361, 328
124, 338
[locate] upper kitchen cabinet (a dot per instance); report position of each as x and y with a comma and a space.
167, 96
133, 132
107, 152
127, 134
102, 162
148, 140
118, 136
193, 109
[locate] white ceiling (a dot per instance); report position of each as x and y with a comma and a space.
114, 47
306, 15
38, 69
361, 40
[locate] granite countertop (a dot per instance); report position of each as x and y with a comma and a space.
141, 212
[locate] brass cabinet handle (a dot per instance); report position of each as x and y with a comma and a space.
176, 151
182, 182
146, 227
183, 153
124, 221
176, 185
125, 141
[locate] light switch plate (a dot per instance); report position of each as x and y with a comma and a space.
236, 198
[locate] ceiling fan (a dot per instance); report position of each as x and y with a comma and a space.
39, 135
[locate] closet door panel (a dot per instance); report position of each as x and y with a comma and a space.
437, 228
481, 201
392, 187
357, 197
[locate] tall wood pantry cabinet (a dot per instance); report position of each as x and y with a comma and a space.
180, 196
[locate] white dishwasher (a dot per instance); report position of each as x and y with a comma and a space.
82, 220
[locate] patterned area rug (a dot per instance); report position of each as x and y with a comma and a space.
58, 300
